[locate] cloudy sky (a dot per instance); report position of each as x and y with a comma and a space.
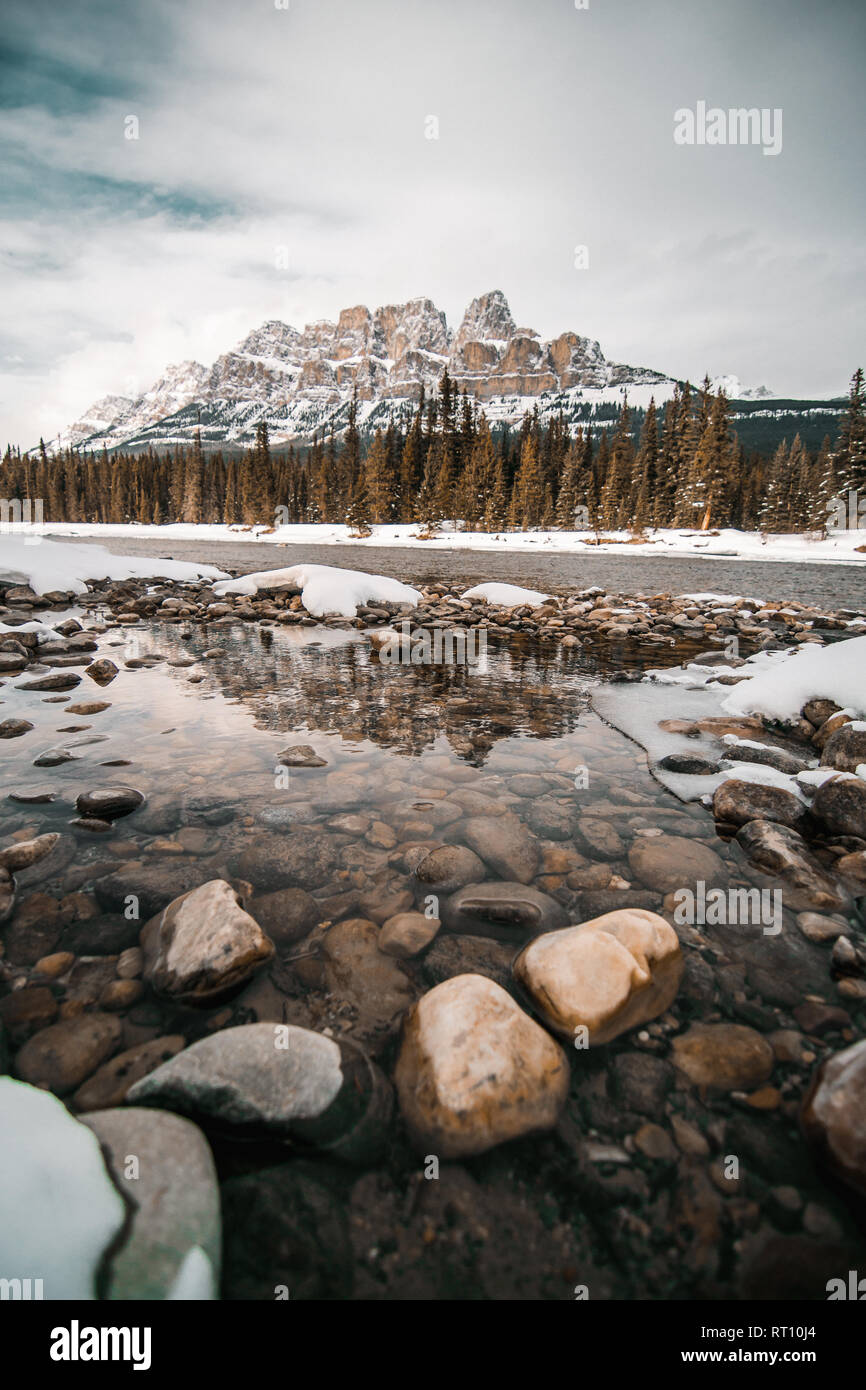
305, 128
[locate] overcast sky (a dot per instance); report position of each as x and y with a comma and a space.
305, 128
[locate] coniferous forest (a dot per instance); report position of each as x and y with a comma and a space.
679, 465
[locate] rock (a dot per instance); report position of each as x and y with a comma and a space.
777, 849
301, 755
107, 934
59, 1210
839, 805
550, 817
287, 915
474, 1071
108, 1085
816, 927
598, 838
668, 862
119, 995
448, 868
508, 911
833, 1115
174, 1195
276, 1080
151, 887
207, 946
109, 803
830, 725
88, 707
23, 853
723, 1056
845, 749
305, 858
735, 802
7, 894
640, 1082
59, 1058
14, 728
817, 1018
689, 763
853, 866
25, 1011
55, 965
468, 955
357, 971
607, 975
60, 680
766, 757
407, 934
819, 711
102, 671
505, 845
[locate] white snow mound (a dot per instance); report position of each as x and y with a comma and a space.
836, 672
324, 589
507, 595
54, 565
59, 1208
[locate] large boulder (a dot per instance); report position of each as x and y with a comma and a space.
605, 976
474, 1070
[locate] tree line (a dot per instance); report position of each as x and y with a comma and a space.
677, 465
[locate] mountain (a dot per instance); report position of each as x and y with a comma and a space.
301, 381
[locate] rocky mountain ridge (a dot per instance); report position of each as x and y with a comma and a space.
302, 381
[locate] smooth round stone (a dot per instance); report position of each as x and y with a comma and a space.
475, 1071
286, 915
505, 910
667, 862
449, 867
14, 728
109, 1083
407, 934
108, 803
723, 1056
118, 995
735, 802
24, 853
59, 1058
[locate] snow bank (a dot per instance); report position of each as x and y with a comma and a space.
836, 672
53, 565
840, 547
507, 595
324, 589
58, 1207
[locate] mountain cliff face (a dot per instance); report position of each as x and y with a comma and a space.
301, 382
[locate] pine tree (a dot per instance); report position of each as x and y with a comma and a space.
850, 456
379, 485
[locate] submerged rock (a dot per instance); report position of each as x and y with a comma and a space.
475, 1071
25, 853
407, 934
777, 849
723, 1056
607, 975
59, 1058
505, 910
505, 845
109, 803
448, 868
667, 862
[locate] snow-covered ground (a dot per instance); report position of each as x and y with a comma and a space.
841, 547
53, 565
324, 589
